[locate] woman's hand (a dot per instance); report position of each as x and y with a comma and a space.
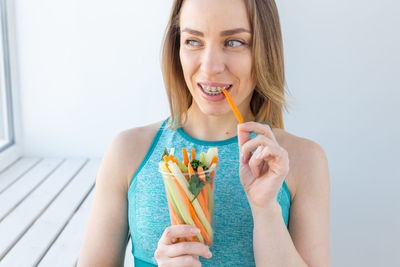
263, 172
170, 253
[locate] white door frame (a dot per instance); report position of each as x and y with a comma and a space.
13, 152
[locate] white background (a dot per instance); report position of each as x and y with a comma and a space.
90, 69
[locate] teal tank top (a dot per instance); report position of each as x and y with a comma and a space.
148, 213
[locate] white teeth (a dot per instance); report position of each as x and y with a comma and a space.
213, 90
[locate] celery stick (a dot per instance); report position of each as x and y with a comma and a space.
182, 181
203, 158
174, 194
173, 204
183, 167
210, 202
210, 199
213, 151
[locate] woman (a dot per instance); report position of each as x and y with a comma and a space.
271, 206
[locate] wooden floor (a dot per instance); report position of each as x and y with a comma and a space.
44, 206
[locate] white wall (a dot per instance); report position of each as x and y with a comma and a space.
90, 69
342, 63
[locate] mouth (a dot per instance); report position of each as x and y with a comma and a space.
214, 90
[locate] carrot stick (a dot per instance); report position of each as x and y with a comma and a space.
174, 217
203, 231
193, 154
201, 197
203, 201
200, 171
191, 171
212, 175
203, 193
193, 213
233, 106
214, 160
185, 156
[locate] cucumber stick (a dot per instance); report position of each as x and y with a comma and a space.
185, 185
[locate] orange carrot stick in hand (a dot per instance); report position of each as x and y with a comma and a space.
233, 106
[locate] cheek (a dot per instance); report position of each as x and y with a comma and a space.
241, 66
188, 62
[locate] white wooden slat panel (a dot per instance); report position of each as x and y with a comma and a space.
68, 243
9, 156
15, 171
6, 162
22, 217
128, 255
35, 243
25, 185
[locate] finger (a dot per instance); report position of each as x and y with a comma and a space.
243, 136
256, 162
171, 233
259, 128
186, 260
188, 248
250, 146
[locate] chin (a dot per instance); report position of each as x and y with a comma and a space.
214, 111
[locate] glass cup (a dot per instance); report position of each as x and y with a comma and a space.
187, 208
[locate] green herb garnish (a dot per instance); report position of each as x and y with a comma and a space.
196, 163
195, 186
164, 154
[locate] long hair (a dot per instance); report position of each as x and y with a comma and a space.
268, 99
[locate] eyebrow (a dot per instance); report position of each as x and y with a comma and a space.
223, 33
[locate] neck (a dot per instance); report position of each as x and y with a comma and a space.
213, 127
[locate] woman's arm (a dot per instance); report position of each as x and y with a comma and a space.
308, 241
106, 233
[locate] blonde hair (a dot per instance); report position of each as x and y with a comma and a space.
268, 98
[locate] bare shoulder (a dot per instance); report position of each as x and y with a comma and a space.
131, 146
305, 157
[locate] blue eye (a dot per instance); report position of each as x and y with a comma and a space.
234, 43
191, 42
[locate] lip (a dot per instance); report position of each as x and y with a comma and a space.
214, 84
213, 98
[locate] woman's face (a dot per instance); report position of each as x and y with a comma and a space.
215, 53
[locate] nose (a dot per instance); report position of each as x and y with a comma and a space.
212, 61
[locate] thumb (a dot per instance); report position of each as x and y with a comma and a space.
243, 135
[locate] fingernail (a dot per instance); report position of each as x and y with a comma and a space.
209, 255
